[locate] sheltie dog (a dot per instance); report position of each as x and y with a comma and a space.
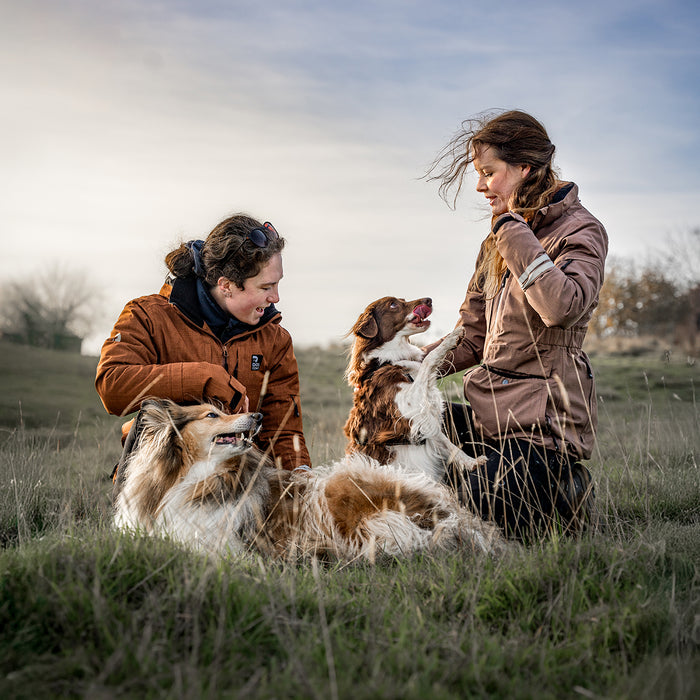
195, 475
397, 412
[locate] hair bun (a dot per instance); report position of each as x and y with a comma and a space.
195, 248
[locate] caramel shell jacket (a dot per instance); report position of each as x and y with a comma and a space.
533, 380
161, 348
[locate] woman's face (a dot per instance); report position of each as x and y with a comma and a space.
249, 304
497, 179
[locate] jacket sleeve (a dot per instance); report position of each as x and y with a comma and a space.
129, 370
560, 287
282, 428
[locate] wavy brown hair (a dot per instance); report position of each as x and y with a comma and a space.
516, 138
227, 252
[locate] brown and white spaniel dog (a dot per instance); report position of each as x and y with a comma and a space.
397, 412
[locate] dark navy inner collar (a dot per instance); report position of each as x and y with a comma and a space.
192, 297
561, 193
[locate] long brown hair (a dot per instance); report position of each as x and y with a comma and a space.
516, 138
227, 252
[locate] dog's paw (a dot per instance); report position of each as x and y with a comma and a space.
465, 463
452, 339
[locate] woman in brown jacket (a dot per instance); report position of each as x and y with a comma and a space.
530, 390
213, 334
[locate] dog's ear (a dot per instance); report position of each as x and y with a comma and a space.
162, 414
161, 421
155, 412
154, 404
366, 326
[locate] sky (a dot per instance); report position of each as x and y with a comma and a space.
127, 126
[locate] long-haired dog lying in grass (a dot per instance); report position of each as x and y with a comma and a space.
195, 475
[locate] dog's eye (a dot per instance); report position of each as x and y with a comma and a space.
393, 305
211, 414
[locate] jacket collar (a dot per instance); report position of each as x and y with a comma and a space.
563, 199
183, 294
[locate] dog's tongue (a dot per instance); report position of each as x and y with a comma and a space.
422, 311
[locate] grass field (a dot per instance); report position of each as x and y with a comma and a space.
86, 612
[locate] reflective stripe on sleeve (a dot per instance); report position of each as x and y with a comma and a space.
540, 264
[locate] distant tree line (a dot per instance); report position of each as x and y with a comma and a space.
55, 308
658, 298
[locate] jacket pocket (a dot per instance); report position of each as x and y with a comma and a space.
506, 401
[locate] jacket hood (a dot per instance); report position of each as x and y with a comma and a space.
563, 199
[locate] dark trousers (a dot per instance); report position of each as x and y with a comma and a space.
524, 488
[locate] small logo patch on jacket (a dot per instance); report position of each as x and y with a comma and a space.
255, 362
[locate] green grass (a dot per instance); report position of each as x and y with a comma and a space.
86, 612
326, 401
46, 390
81, 615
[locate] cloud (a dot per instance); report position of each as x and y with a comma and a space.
131, 125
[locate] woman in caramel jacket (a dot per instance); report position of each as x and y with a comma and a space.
213, 334
530, 390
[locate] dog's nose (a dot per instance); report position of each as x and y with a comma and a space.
257, 417
428, 301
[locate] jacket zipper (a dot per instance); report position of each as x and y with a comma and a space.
506, 275
224, 349
493, 318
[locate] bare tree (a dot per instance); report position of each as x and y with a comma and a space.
54, 308
680, 257
659, 298
638, 300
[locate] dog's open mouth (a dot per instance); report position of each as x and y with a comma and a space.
420, 315
245, 428
234, 438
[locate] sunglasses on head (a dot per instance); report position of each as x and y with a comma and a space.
260, 236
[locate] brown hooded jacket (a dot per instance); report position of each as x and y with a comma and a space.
157, 349
533, 379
